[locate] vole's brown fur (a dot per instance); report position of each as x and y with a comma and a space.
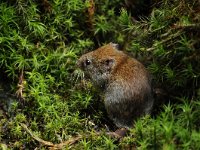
124, 81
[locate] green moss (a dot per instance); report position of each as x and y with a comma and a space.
40, 43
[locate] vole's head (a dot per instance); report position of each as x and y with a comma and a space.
98, 64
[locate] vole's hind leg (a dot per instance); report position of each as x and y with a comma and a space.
118, 134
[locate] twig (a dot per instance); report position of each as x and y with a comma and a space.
91, 11
52, 146
46, 143
118, 134
20, 85
187, 27
166, 40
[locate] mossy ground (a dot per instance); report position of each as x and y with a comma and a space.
40, 86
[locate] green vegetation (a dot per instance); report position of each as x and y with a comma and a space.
40, 42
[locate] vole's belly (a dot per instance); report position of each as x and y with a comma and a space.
123, 112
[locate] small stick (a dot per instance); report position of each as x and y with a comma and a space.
20, 85
119, 134
50, 144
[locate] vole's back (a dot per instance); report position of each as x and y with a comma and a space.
126, 82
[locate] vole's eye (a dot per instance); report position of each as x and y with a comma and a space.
87, 62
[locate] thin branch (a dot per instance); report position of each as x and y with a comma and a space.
20, 85
52, 146
46, 143
118, 134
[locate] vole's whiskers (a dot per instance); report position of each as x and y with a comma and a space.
78, 74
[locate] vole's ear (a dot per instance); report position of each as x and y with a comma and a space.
109, 62
116, 46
